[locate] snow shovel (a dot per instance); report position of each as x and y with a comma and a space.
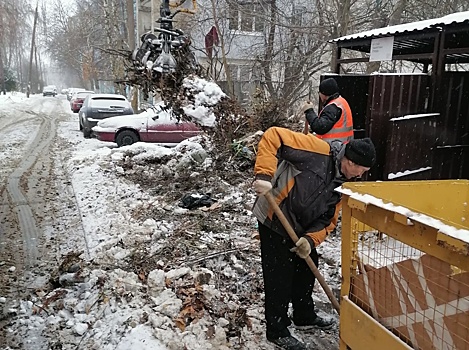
270, 198
306, 128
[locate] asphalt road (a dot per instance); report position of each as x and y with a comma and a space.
37, 209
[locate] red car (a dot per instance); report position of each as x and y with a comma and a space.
77, 100
153, 125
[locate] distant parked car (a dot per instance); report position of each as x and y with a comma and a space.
77, 100
71, 91
101, 106
49, 90
153, 125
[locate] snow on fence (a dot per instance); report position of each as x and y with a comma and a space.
405, 265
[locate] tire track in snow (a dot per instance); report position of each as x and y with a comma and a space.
11, 123
39, 222
19, 202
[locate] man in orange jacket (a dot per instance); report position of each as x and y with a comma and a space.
302, 172
335, 119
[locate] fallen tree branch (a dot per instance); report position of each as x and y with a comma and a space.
213, 255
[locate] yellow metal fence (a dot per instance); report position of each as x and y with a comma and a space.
405, 263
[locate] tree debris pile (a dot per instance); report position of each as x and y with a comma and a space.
153, 81
193, 276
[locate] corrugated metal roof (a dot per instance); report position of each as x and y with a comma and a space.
457, 17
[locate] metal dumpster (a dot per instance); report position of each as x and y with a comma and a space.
406, 279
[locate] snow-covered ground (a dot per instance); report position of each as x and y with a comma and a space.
134, 269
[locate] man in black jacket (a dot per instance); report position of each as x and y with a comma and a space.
302, 172
335, 120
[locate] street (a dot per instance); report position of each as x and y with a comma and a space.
35, 194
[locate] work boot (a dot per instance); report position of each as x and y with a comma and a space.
319, 323
288, 343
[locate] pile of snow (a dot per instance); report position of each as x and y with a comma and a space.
206, 95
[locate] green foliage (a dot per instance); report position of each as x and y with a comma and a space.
242, 151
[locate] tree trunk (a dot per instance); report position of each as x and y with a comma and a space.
131, 40
2, 73
268, 56
19, 64
396, 16
343, 17
229, 80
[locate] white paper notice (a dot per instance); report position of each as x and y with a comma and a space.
381, 49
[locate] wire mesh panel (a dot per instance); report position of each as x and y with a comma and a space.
420, 298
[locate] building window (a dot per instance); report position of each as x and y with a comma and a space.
246, 17
240, 72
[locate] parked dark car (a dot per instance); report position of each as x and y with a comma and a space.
77, 100
97, 107
153, 125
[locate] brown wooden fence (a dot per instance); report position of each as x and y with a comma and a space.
412, 140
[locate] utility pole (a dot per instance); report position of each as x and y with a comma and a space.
28, 89
36, 76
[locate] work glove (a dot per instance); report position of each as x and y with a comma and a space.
306, 106
303, 248
261, 187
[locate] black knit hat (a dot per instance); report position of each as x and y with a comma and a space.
361, 152
328, 87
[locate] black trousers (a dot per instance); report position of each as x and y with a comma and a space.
287, 278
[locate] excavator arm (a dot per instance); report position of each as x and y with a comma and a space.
167, 48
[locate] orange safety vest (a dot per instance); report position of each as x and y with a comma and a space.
343, 129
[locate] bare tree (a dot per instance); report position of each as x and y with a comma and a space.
14, 27
67, 36
284, 53
417, 10
275, 45
82, 40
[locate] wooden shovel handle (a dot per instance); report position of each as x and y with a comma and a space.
270, 198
